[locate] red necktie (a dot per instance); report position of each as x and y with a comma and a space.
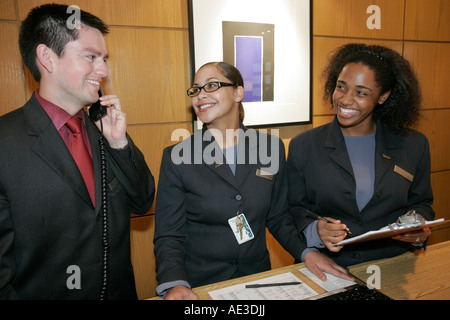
81, 156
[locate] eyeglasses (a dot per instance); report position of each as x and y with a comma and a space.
209, 87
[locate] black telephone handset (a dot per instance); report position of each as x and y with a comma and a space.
97, 111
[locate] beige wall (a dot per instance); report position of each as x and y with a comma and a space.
150, 71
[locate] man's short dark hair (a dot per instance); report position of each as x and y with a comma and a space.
48, 24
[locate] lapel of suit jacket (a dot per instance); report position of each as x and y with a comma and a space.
212, 155
335, 140
247, 153
383, 151
221, 168
50, 147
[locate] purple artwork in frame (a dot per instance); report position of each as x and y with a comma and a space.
249, 60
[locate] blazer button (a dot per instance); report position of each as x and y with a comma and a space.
238, 197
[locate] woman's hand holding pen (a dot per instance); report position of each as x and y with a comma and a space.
331, 233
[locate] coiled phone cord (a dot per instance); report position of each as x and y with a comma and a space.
105, 235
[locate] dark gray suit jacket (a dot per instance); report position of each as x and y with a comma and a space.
47, 221
193, 240
321, 179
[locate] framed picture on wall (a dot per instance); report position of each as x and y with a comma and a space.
269, 41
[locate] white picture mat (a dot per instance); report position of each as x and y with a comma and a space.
292, 52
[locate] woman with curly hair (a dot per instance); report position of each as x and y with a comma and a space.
367, 167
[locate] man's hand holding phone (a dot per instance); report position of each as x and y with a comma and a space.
114, 124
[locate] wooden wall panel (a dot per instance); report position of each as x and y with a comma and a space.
432, 64
12, 93
427, 20
7, 10
148, 71
278, 256
30, 84
152, 139
435, 125
142, 256
321, 120
440, 182
348, 18
146, 13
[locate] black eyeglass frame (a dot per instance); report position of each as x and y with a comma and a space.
195, 91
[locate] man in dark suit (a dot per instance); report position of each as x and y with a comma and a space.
53, 244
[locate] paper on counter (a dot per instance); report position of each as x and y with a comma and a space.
239, 292
332, 282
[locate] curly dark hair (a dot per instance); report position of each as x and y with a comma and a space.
392, 72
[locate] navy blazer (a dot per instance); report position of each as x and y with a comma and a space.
47, 220
193, 240
321, 179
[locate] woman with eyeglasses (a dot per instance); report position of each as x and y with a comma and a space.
217, 194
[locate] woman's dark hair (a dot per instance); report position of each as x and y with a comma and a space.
392, 72
234, 75
48, 24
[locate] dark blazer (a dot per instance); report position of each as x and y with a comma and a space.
195, 199
47, 221
321, 180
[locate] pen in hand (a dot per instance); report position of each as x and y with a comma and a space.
316, 216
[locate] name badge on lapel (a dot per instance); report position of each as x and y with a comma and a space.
264, 174
405, 174
240, 227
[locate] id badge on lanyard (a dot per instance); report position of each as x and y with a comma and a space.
241, 228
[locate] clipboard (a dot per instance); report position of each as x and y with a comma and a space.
386, 232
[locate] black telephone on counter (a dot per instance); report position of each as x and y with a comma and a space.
97, 111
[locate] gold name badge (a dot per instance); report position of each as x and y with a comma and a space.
405, 174
264, 174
